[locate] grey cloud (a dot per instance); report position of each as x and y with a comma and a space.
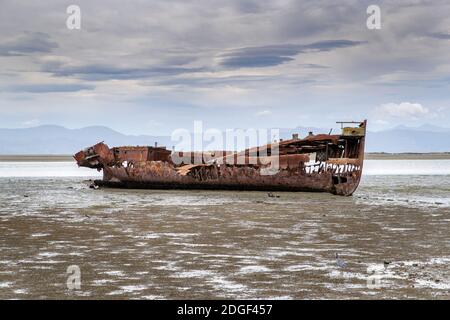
303, 19
28, 43
249, 6
314, 66
47, 88
99, 72
247, 81
328, 45
179, 60
209, 82
440, 35
272, 55
254, 61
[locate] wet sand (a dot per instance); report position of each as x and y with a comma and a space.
205, 244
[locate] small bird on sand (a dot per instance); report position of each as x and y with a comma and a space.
386, 264
341, 263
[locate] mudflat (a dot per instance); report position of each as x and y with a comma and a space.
392, 236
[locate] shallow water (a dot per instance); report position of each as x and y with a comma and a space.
70, 169
156, 244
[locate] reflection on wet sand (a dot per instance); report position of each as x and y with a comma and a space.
152, 244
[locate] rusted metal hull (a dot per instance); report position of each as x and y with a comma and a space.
336, 169
156, 176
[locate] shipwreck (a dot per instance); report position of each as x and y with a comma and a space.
317, 163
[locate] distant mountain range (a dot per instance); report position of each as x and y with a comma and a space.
52, 139
403, 139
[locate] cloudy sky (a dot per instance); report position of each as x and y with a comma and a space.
151, 66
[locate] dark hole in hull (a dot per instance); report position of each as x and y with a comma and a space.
337, 179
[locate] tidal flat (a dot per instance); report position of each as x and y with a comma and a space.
392, 236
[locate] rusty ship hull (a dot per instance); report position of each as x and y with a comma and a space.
316, 163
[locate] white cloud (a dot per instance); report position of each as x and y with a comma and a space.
403, 110
264, 113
